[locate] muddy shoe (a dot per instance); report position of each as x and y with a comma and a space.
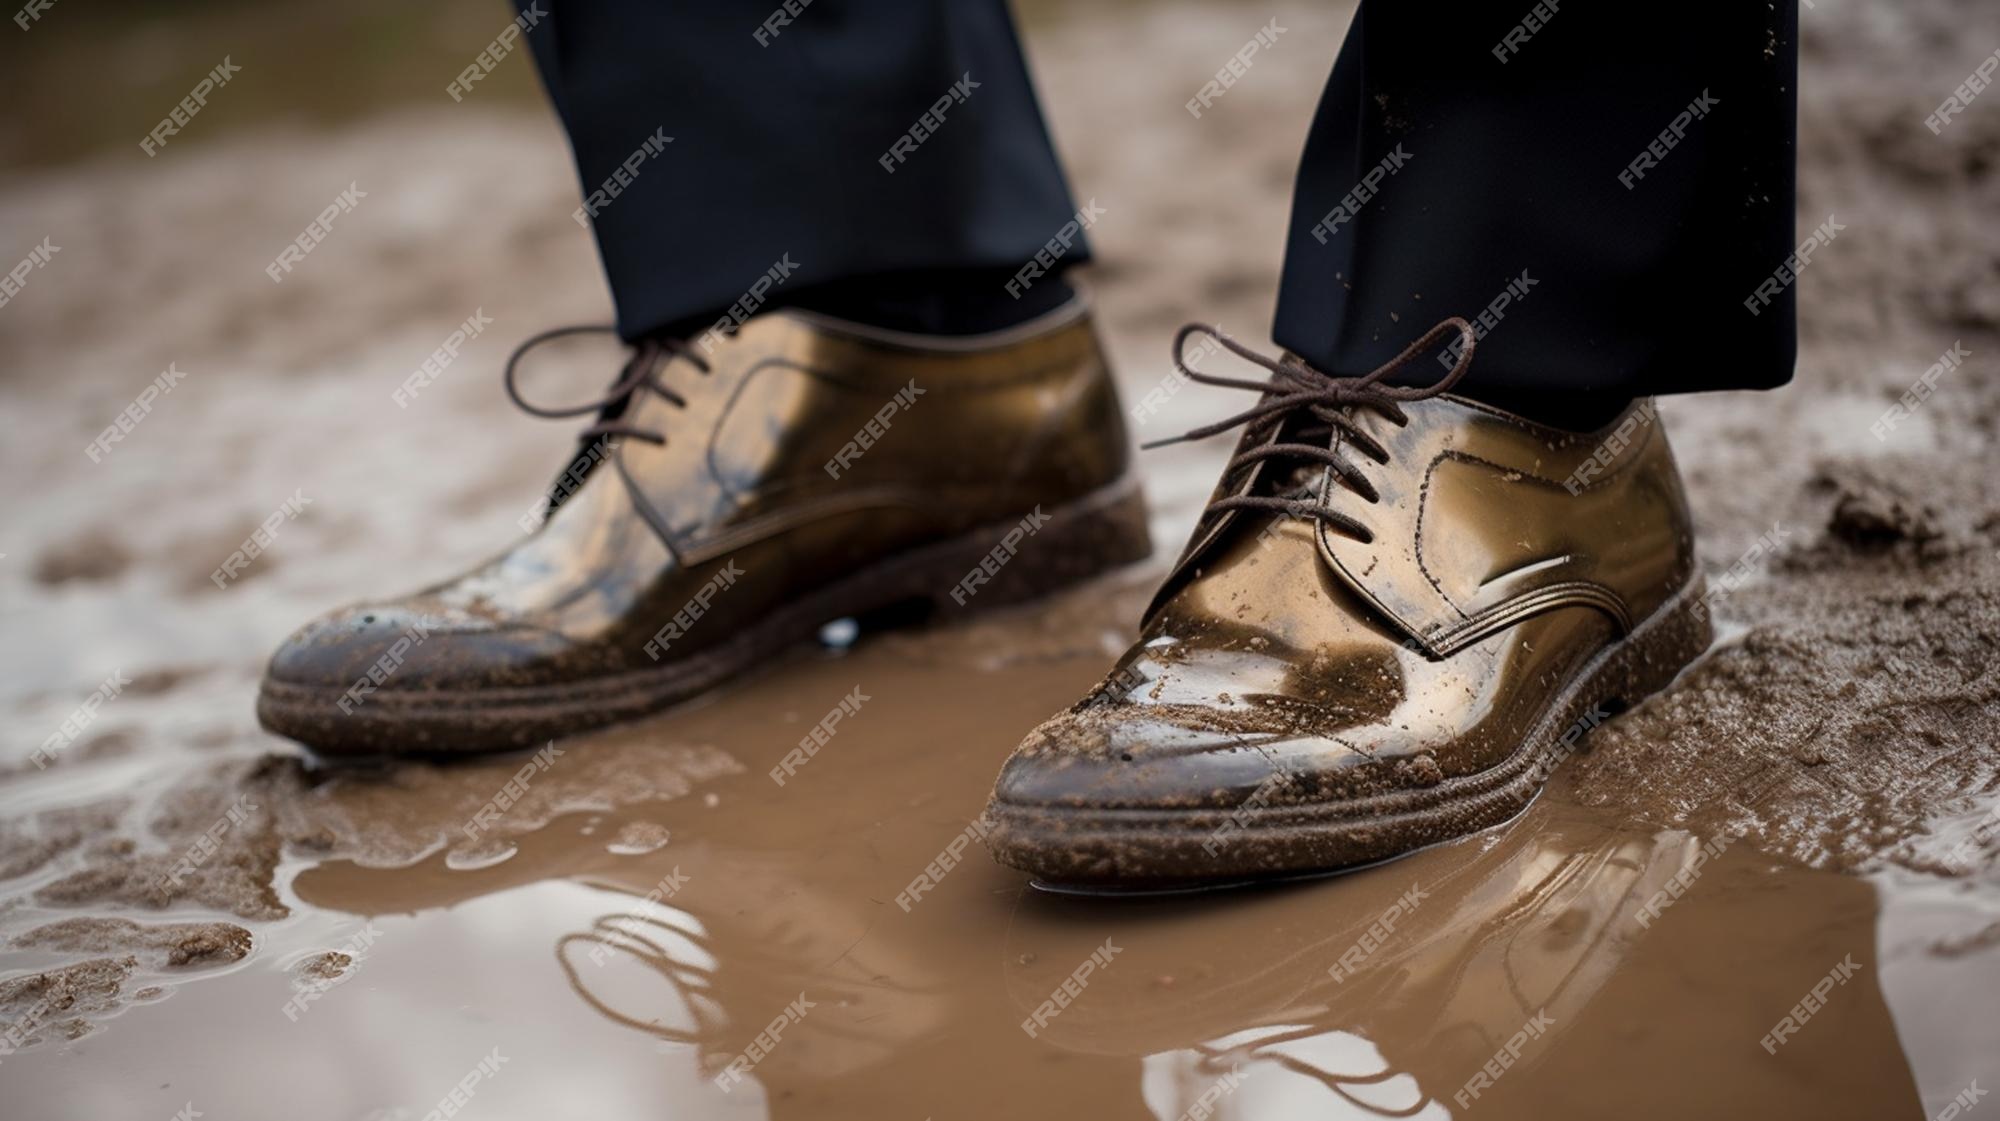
1397, 614
736, 494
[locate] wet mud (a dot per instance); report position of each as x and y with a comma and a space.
1771, 890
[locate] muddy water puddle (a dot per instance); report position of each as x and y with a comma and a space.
624, 961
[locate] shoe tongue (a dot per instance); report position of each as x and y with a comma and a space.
592, 451
1301, 479
1300, 483
1295, 479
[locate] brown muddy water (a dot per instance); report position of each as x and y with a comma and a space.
1805, 825
652, 899
619, 947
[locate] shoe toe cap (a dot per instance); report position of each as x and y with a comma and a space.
404, 646
1159, 757
1129, 758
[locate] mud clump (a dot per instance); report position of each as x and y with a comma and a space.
212, 844
172, 945
1871, 513
1422, 769
61, 1003
321, 970
94, 556
26, 845
156, 682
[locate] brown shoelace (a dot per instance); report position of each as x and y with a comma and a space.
640, 372
1296, 388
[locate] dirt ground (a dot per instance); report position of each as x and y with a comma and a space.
1840, 744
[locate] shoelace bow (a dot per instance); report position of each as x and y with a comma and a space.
640, 372
1296, 386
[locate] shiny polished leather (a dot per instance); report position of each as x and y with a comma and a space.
989, 429
1286, 663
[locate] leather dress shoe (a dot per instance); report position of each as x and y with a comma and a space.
1400, 610
734, 496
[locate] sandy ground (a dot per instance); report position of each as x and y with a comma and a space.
1840, 739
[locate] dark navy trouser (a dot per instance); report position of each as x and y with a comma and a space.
1610, 187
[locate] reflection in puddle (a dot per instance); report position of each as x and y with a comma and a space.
1283, 1071
660, 984
1522, 978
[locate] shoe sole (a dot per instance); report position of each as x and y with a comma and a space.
1092, 535
1144, 849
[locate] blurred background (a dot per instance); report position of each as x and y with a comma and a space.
82, 71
